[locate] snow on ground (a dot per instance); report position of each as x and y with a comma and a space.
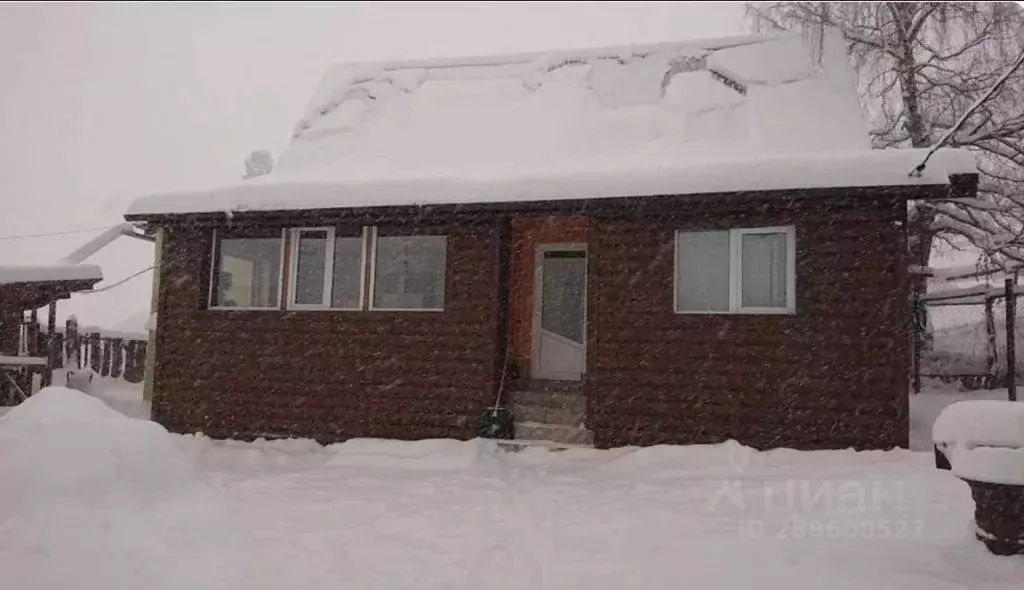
91, 499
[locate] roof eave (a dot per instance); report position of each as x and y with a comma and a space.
960, 186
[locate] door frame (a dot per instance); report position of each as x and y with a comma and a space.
538, 294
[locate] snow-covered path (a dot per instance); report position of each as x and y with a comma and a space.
452, 515
655, 518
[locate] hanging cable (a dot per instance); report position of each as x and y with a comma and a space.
111, 286
56, 233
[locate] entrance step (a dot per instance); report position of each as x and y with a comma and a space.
554, 433
550, 411
566, 401
547, 386
573, 415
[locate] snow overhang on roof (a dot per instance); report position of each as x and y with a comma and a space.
50, 273
741, 114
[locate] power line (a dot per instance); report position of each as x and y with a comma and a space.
56, 233
119, 283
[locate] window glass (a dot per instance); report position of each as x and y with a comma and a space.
764, 270
247, 272
310, 267
702, 271
348, 272
409, 272
562, 298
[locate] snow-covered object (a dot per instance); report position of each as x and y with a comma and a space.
748, 113
63, 443
983, 440
974, 423
80, 379
49, 272
990, 465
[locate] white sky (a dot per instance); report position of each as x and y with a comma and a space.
101, 103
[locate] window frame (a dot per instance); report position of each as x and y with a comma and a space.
328, 289
214, 266
372, 267
736, 272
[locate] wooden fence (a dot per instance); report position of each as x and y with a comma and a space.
119, 356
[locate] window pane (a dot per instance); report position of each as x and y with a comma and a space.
248, 272
562, 295
702, 271
764, 270
409, 272
310, 267
348, 266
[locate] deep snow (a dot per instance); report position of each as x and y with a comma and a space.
91, 499
748, 114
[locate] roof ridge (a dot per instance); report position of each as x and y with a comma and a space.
492, 59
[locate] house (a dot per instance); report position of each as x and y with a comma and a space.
676, 243
28, 288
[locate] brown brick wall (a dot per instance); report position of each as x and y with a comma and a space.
832, 375
328, 375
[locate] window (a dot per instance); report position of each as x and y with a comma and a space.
326, 269
246, 270
408, 272
736, 271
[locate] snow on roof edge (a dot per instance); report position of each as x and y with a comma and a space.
10, 274
319, 190
713, 43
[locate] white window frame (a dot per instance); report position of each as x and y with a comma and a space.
373, 275
211, 302
736, 272
325, 300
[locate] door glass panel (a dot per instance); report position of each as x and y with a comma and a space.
562, 297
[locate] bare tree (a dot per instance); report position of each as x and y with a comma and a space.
921, 66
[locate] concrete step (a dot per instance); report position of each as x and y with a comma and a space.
568, 416
553, 433
548, 385
566, 401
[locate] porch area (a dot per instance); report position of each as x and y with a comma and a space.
543, 384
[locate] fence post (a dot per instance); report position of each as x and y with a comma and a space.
135, 357
991, 346
105, 368
71, 344
95, 358
1011, 345
116, 356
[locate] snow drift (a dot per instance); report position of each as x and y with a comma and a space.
62, 444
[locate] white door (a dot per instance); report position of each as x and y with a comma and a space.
559, 317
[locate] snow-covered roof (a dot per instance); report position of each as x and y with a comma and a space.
747, 113
10, 274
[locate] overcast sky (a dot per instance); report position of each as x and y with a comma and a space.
101, 103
